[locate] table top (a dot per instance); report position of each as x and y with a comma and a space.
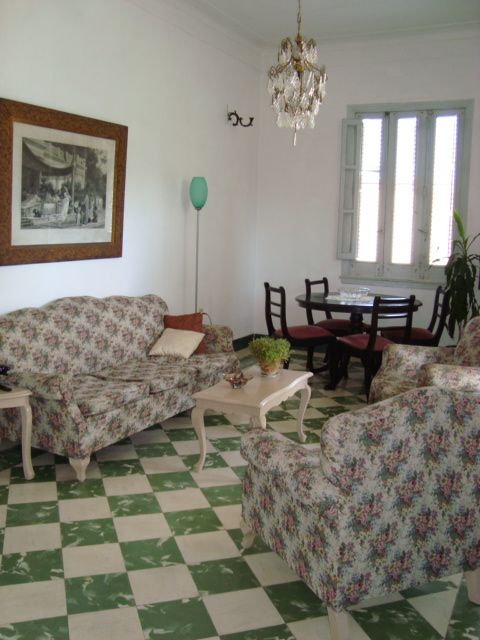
333, 302
10, 399
256, 391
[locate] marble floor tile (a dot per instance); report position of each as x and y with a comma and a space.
117, 452
90, 560
149, 437
233, 458
32, 492
201, 547
162, 584
181, 500
66, 471
163, 464
229, 515
123, 485
33, 537
141, 527
113, 624
241, 611
32, 601
269, 568
83, 509
215, 477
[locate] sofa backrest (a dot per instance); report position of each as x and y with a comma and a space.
467, 351
80, 334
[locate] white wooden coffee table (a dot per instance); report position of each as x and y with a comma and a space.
19, 398
255, 399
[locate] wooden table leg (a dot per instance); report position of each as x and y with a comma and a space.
258, 421
199, 426
306, 392
26, 413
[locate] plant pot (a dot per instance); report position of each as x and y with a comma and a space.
270, 368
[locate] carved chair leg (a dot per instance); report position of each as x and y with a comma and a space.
338, 624
80, 467
473, 585
248, 535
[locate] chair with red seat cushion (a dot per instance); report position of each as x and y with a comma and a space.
369, 346
337, 326
307, 336
429, 337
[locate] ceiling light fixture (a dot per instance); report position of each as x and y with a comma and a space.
296, 84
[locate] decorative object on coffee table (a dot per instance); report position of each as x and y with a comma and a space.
270, 353
237, 380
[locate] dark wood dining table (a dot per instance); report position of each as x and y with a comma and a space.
335, 303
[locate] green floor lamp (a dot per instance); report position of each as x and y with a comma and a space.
198, 198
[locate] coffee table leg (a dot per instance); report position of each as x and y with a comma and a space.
258, 421
304, 400
199, 426
26, 413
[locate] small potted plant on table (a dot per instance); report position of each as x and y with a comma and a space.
270, 353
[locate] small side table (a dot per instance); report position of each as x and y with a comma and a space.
19, 398
255, 399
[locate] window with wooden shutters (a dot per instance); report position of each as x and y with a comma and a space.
404, 170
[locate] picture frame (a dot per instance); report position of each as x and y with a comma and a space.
62, 184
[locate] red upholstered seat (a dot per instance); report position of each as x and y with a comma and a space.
417, 333
305, 332
335, 326
359, 341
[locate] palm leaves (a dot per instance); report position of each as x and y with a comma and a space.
461, 274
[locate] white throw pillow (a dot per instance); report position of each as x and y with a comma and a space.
177, 342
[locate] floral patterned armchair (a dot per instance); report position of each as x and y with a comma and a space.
406, 367
390, 501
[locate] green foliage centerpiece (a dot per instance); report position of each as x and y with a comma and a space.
270, 353
461, 274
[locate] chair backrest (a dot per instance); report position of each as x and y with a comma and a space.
308, 291
275, 307
441, 309
389, 308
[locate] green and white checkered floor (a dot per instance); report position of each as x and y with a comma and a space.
146, 548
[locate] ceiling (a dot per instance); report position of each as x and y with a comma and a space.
265, 22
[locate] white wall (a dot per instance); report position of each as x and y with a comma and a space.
126, 61
299, 187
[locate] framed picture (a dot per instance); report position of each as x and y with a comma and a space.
62, 183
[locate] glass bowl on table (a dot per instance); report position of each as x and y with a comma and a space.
237, 380
354, 293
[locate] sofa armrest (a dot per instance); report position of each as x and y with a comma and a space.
51, 386
218, 338
287, 462
451, 377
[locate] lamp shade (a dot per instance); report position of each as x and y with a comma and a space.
198, 192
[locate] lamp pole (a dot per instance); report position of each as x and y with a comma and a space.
198, 197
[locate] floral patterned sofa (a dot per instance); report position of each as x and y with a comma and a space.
407, 367
391, 499
85, 361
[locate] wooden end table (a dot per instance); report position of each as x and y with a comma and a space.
255, 399
19, 398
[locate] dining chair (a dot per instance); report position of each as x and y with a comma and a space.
369, 346
337, 326
429, 337
308, 336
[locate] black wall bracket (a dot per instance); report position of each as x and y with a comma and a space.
236, 120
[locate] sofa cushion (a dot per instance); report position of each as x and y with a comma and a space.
94, 395
160, 373
175, 342
188, 322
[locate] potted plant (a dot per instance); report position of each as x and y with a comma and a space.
461, 274
270, 353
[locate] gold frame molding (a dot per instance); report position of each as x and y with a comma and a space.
18, 112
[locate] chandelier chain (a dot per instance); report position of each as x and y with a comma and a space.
299, 19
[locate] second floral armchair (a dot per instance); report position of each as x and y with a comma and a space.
407, 367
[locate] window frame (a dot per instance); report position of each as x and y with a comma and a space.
382, 272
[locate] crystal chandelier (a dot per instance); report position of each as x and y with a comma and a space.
296, 84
